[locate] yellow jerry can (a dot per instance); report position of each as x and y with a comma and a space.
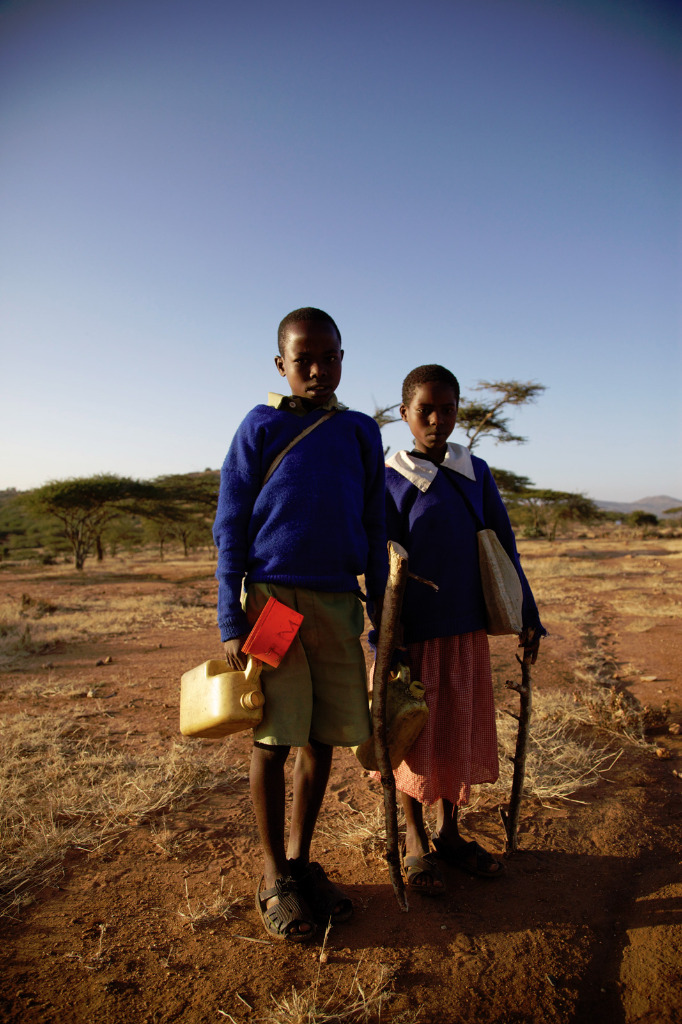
215, 701
406, 714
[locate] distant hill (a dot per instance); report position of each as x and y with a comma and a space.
656, 504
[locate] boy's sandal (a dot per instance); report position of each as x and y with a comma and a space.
283, 919
325, 899
469, 857
424, 875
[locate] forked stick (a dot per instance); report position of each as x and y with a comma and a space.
387, 642
510, 817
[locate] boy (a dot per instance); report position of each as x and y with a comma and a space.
303, 536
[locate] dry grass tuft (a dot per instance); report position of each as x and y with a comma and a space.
30, 625
355, 830
201, 914
357, 1003
171, 843
559, 759
63, 789
618, 712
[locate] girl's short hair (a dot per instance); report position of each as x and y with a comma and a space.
432, 373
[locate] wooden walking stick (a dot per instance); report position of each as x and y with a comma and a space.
510, 817
388, 633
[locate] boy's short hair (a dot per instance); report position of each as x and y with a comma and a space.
304, 314
431, 373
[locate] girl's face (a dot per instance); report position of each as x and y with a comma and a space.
431, 417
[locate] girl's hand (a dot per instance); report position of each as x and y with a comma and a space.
236, 661
529, 639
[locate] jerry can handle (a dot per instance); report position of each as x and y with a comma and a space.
253, 670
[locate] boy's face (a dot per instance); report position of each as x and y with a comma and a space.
312, 360
431, 416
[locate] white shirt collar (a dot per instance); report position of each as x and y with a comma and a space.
277, 401
422, 473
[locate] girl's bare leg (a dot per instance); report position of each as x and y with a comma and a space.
448, 835
446, 823
417, 841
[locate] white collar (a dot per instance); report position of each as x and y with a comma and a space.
277, 401
422, 473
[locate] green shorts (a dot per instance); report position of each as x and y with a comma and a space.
319, 690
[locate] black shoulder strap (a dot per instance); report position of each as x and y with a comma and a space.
299, 437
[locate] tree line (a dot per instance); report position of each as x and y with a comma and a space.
106, 513
102, 514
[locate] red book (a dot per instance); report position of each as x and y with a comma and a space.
274, 629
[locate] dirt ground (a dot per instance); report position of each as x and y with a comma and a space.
585, 925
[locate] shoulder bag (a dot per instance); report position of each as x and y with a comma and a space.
502, 589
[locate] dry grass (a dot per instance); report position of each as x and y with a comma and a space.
62, 788
355, 830
26, 627
617, 712
560, 759
332, 1000
200, 914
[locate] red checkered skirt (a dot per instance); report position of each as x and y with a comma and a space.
458, 745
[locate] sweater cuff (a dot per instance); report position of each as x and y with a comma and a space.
233, 625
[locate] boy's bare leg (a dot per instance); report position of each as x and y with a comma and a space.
267, 796
311, 774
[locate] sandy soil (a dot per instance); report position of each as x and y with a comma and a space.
585, 925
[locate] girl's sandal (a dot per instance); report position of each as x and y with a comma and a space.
325, 899
424, 875
469, 857
282, 920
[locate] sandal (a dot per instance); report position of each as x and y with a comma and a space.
424, 868
325, 899
282, 919
469, 857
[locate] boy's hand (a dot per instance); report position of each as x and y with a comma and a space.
236, 661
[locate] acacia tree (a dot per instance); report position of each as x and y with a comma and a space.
510, 484
480, 419
184, 507
85, 505
547, 508
483, 418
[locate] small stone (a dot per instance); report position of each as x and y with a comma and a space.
663, 753
675, 728
90, 693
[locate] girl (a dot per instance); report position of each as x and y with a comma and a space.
433, 495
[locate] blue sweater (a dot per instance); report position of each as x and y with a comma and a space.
439, 533
317, 523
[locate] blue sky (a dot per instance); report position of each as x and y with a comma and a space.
494, 185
